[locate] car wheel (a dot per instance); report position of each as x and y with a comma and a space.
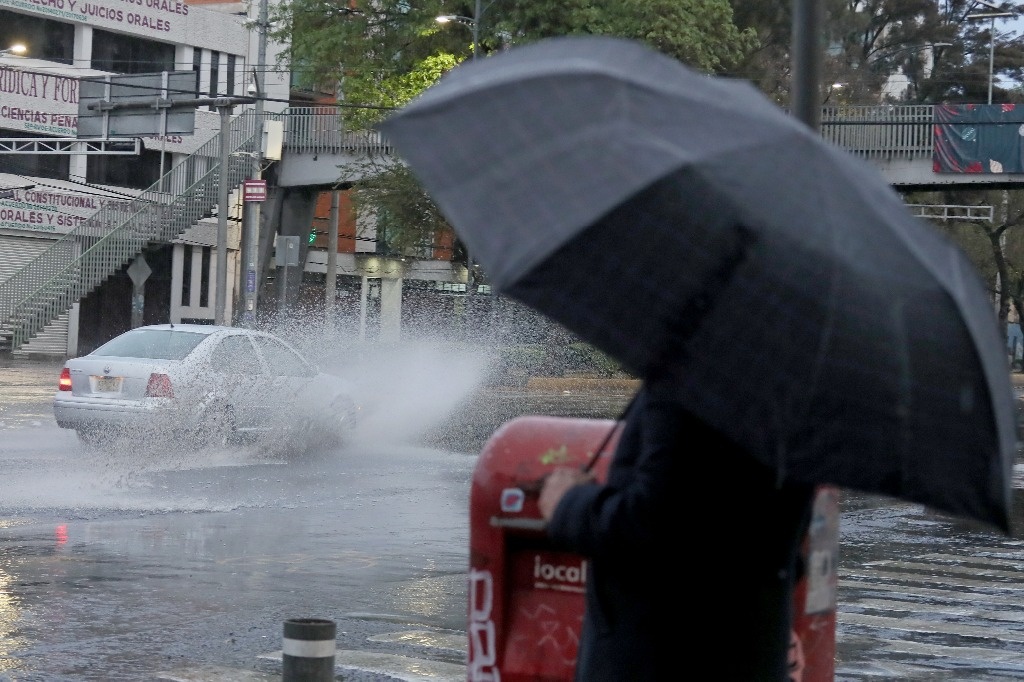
344, 416
216, 426
89, 437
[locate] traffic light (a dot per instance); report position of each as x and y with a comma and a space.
312, 235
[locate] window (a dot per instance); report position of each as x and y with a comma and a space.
45, 38
197, 67
129, 54
214, 75
234, 355
231, 75
281, 360
138, 172
158, 344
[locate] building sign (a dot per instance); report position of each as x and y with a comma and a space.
155, 18
254, 190
44, 103
53, 210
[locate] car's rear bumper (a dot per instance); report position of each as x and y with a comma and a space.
72, 412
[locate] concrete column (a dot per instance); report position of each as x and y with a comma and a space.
331, 286
363, 295
82, 54
139, 271
177, 280
390, 309
73, 321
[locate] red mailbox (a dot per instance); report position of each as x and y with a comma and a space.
526, 599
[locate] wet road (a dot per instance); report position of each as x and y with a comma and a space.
170, 565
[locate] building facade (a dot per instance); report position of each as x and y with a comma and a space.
45, 194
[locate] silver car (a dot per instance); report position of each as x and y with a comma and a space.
200, 384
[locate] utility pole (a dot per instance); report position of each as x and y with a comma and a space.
252, 209
331, 283
222, 215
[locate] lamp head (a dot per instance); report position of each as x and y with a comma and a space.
17, 48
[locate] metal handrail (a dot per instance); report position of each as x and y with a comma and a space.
321, 130
881, 131
78, 262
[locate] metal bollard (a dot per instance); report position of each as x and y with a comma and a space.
308, 650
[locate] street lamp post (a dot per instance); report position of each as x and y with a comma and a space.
251, 209
477, 11
473, 22
991, 16
474, 26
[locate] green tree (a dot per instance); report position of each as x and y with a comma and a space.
943, 54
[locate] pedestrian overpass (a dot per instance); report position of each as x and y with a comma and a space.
898, 139
319, 154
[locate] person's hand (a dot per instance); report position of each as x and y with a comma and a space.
555, 485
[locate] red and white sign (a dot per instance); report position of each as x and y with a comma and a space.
254, 190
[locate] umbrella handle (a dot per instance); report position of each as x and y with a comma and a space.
600, 448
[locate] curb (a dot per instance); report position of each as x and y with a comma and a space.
582, 385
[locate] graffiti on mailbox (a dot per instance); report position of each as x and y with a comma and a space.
482, 645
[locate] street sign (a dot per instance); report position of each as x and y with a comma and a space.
254, 190
159, 90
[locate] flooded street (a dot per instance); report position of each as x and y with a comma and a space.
110, 573
167, 564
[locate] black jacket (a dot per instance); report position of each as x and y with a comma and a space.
692, 551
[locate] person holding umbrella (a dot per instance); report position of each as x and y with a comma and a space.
669, 550
794, 323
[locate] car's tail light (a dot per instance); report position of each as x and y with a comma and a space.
159, 386
65, 380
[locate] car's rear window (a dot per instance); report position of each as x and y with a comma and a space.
157, 344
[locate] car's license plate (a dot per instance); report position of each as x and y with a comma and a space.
106, 384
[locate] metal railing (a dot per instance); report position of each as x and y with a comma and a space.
321, 130
885, 130
882, 131
78, 262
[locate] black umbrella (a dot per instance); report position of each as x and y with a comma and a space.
682, 221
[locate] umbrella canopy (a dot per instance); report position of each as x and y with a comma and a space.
683, 222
